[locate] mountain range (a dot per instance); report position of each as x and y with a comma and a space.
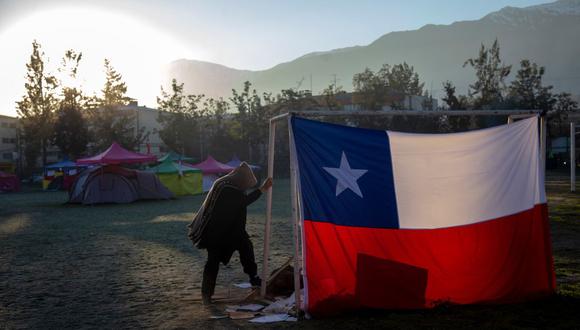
547, 34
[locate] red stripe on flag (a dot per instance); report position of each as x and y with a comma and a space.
497, 261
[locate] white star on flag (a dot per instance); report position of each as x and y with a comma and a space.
346, 176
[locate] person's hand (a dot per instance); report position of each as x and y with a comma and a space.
266, 185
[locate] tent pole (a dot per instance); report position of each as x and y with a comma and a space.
572, 156
295, 217
271, 143
543, 126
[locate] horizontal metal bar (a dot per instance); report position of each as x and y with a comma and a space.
279, 117
321, 113
522, 116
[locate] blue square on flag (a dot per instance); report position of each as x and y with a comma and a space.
346, 174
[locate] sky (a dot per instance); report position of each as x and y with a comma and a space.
141, 36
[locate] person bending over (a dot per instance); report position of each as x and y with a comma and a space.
220, 226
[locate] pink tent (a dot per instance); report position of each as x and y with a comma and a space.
9, 182
117, 155
212, 166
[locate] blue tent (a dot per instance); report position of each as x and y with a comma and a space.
59, 175
235, 162
65, 164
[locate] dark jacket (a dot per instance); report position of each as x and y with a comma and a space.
226, 225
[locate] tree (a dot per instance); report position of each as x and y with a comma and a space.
491, 73
452, 101
37, 107
527, 91
562, 106
330, 94
252, 117
114, 93
564, 103
110, 124
179, 117
220, 134
403, 79
370, 89
70, 130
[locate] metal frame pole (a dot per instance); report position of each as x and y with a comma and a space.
267, 227
513, 114
572, 156
543, 127
295, 217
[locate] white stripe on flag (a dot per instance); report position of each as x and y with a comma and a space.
445, 180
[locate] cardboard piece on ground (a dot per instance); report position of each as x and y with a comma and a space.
241, 315
219, 298
250, 307
233, 307
244, 285
281, 306
270, 318
255, 294
217, 317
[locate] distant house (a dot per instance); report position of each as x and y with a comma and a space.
146, 118
352, 101
8, 143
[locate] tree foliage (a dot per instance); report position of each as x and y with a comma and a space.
453, 101
71, 133
403, 79
373, 88
330, 95
527, 90
370, 88
108, 122
37, 106
490, 72
251, 116
221, 136
179, 116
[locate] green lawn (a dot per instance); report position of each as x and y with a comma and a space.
119, 266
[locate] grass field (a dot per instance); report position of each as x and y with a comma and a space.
119, 266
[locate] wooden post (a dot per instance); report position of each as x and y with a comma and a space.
271, 143
543, 126
572, 156
295, 217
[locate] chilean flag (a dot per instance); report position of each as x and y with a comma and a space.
399, 221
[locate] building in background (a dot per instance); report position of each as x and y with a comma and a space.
146, 118
8, 143
393, 100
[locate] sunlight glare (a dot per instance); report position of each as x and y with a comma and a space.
137, 50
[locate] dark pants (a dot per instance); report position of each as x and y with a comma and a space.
212, 265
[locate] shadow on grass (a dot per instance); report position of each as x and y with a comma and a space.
554, 312
131, 265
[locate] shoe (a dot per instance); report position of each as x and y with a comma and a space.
255, 281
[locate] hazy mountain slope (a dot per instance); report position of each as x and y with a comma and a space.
547, 34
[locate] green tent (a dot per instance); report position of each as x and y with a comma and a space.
180, 179
174, 156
